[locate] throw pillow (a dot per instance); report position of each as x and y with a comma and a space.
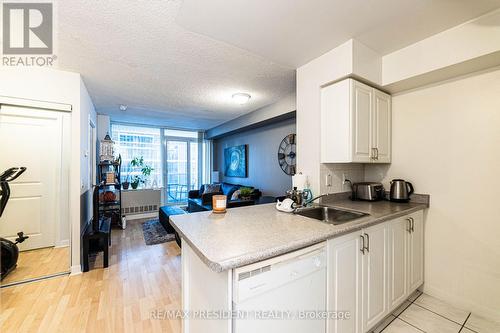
236, 195
211, 188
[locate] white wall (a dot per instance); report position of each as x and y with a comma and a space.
467, 41
103, 126
463, 49
446, 141
329, 67
349, 59
87, 115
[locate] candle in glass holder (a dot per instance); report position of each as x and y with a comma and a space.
219, 203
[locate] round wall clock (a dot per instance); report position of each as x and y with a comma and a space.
287, 152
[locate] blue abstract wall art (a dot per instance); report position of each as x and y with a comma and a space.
235, 161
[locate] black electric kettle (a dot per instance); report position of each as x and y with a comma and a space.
400, 190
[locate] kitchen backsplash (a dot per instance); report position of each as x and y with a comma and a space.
352, 171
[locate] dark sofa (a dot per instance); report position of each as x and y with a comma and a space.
199, 201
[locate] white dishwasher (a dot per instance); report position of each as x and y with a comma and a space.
286, 294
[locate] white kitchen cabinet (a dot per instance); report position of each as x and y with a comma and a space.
355, 123
381, 127
344, 278
416, 251
398, 261
406, 254
358, 279
362, 106
375, 275
372, 271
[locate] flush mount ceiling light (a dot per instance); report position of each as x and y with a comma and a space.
123, 107
241, 98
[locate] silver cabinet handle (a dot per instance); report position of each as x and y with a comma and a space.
376, 156
362, 244
408, 225
372, 154
367, 242
412, 224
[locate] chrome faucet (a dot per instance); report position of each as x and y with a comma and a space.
313, 199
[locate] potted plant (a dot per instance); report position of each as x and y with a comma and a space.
136, 180
126, 183
138, 162
245, 193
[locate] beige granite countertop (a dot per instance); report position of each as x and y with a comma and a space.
250, 234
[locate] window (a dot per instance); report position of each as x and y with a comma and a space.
135, 141
180, 158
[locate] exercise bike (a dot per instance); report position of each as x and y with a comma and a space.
9, 250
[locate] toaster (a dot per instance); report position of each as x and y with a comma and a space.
368, 191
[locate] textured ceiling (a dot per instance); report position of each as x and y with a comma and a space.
293, 32
134, 53
178, 63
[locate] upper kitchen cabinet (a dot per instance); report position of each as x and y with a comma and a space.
355, 123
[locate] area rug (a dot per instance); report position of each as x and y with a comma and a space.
154, 233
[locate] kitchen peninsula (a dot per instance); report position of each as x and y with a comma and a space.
381, 255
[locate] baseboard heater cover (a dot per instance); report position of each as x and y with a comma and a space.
140, 201
139, 209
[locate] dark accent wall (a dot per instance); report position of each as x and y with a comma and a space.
85, 209
264, 171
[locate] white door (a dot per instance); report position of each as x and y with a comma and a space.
381, 127
361, 112
31, 138
416, 251
344, 282
398, 261
375, 275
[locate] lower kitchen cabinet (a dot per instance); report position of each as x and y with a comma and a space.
345, 259
374, 275
372, 271
416, 251
398, 261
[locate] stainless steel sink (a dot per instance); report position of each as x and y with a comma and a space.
329, 215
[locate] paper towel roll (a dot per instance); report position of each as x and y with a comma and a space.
299, 181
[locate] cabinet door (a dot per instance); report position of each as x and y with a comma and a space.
416, 251
336, 123
375, 276
362, 99
398, 261
381, 127
344, 282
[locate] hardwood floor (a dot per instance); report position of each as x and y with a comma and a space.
120, 298
37, 263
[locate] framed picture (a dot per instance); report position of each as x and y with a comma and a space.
235, 161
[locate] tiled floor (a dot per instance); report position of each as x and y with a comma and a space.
424, 313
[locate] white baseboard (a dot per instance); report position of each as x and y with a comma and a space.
62, 243
460, 302
141, 216
75, 270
